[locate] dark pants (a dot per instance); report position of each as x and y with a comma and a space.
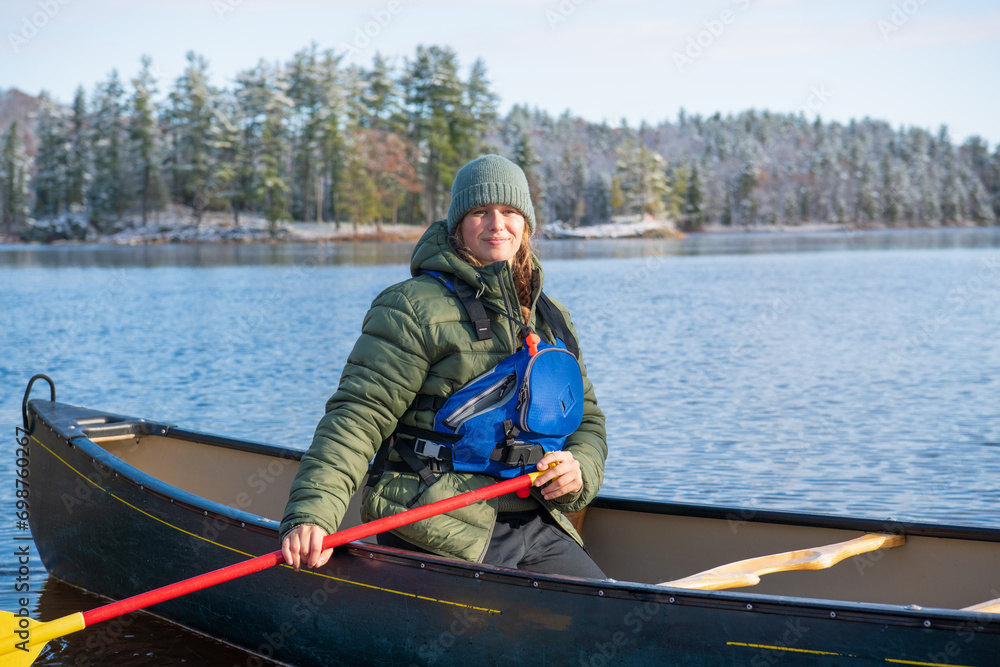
529, 541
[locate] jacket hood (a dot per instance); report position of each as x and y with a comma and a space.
433, 252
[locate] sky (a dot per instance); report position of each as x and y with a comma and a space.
923, 63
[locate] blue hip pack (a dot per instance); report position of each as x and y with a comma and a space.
511, 416
504, 420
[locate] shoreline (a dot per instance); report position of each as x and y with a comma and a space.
258, 232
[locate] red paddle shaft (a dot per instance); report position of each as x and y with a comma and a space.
259, 563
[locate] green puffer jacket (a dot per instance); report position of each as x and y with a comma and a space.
418, 339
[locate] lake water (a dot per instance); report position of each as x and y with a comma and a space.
844, 373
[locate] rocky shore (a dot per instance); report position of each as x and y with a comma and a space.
218, 228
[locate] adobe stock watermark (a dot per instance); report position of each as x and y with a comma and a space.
899, 17
750, 334
774, 654
965, 634
562, 12
363, 35
816, 100
434, 649
32, 25
956, 301
223, 7
713, 29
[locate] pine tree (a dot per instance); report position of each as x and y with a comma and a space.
480, 113
678, 183
359, 191
642, 177
110, 191
144, 133
382, 98
434, 98
253, 93
977, 204
189, 119
272, 189
15, 195
694, 197
51, 161
616, 197
306, 88
332, 134
226, 142
524, 156
866, 210
986, 186
598, 201
994, 190
79, 162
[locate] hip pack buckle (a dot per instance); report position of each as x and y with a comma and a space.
429, 449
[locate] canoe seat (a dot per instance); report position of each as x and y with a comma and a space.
748, 572
988, 607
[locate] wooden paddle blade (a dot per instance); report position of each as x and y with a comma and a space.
988, 607
748, 572
22, 639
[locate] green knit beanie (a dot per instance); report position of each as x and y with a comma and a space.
490, 179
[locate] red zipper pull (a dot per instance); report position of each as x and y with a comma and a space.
532, 340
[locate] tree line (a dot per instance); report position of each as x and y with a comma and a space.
315, 139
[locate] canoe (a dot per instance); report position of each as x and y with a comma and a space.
122, 505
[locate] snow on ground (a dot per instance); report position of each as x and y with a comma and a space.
611, 230
178, 226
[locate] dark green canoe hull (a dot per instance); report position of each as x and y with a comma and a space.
104, 525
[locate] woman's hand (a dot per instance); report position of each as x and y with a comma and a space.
565, 477
303, 545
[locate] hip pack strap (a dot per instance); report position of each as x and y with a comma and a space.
420, 441
428, 402
554, 317
473, 306
477, 312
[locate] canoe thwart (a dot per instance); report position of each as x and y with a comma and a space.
748, 572
988, 607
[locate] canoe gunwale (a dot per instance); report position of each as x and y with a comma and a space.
813, 608
792, 518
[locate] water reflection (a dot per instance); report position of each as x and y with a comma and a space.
397, 252
132, 639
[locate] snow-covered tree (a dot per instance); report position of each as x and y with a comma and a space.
144, 133
51, 162
15, 195
189, 118
434, 98
110, 193
79, 161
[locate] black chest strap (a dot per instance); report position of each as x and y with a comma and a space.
473, 306
554, 318
476, 310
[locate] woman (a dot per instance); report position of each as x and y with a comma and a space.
419, 346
